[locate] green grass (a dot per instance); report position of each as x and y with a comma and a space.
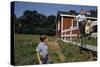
54, 57
72, 53
91, 41
25, 45
25, 54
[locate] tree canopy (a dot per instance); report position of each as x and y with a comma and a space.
32, 22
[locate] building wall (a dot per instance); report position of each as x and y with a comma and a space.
67, 21
76, 31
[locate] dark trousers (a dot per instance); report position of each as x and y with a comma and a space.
82, 29
44, 59
82, 34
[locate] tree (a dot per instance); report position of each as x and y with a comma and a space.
32, 22
52, 24
72, 12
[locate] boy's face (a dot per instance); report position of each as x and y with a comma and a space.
82, 12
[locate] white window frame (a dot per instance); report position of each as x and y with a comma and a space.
73, 24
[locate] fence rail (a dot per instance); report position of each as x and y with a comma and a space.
87, 46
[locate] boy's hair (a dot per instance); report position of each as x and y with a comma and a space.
81, 10
43, 37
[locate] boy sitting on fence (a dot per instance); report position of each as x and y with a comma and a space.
42, 50
81, 22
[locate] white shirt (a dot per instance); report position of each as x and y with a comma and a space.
43, 49
80, 17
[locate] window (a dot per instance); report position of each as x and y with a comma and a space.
75, 24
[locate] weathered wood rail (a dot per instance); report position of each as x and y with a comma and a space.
86, 46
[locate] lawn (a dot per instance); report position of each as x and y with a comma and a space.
72, 53
25, 54
92, 41
25, 45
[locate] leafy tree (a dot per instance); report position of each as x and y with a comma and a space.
32, 22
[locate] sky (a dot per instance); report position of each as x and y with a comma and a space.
47, 8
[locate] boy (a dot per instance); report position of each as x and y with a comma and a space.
42, 50
81, 22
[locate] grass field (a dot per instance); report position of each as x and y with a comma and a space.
72, 53
92, 41
25, 46
25, 54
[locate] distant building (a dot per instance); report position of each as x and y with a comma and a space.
88, 12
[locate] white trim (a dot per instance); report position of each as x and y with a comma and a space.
75, 16
61, 26
94, 35
66, 30
94, 23
67, 15
90, 47
91, 18
71, 30
68, 35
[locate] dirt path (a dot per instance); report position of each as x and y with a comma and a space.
55, 46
